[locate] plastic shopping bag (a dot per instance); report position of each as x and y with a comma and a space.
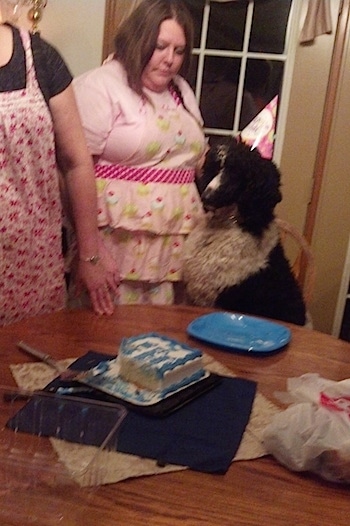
313, 433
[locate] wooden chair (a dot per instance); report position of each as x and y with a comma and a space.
301, 257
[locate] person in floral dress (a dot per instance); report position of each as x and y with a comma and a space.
39, 131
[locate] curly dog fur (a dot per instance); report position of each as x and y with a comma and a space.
234, 259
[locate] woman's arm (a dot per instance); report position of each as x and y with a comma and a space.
100, 277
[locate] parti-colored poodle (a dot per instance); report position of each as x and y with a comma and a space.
234, 259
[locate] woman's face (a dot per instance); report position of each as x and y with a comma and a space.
167, 57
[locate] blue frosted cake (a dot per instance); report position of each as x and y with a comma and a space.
156, 363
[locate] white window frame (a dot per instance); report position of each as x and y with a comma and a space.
288, 57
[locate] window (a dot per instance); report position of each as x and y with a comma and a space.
241, 53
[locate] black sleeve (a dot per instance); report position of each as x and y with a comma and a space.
52, 72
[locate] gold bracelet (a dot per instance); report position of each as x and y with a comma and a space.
92, 259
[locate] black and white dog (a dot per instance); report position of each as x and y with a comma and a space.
234, 260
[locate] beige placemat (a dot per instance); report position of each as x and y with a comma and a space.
121, 466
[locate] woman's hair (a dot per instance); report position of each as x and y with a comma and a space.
137, 37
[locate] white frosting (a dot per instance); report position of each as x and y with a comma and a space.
156, 363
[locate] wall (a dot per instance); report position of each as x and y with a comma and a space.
307, 97
75, 28
333, 217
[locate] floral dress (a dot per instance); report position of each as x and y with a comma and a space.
145, 174
31, 265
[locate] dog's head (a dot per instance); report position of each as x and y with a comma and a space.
237, 177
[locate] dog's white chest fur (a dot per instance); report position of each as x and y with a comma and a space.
219, 257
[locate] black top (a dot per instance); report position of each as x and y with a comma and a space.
52, 73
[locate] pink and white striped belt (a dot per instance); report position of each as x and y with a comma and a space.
145, 175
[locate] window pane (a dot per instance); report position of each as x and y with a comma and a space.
191, 76
196, 8
226, 25
219, 91
219, 94
269, 26
263, 80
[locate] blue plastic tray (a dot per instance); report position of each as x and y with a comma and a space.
240, 333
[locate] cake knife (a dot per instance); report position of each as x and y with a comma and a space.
46, 358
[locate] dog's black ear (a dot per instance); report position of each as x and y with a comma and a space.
262, 193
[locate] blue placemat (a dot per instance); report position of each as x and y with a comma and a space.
203, 435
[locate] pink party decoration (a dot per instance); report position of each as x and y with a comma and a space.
260, 132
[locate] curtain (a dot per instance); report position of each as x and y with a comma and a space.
317, 21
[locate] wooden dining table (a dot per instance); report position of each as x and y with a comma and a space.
252, 492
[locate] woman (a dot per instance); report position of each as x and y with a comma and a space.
144, 130
40, 127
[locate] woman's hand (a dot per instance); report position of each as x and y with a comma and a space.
101, 284
101, 281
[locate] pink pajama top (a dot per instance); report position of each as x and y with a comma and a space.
147, 154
